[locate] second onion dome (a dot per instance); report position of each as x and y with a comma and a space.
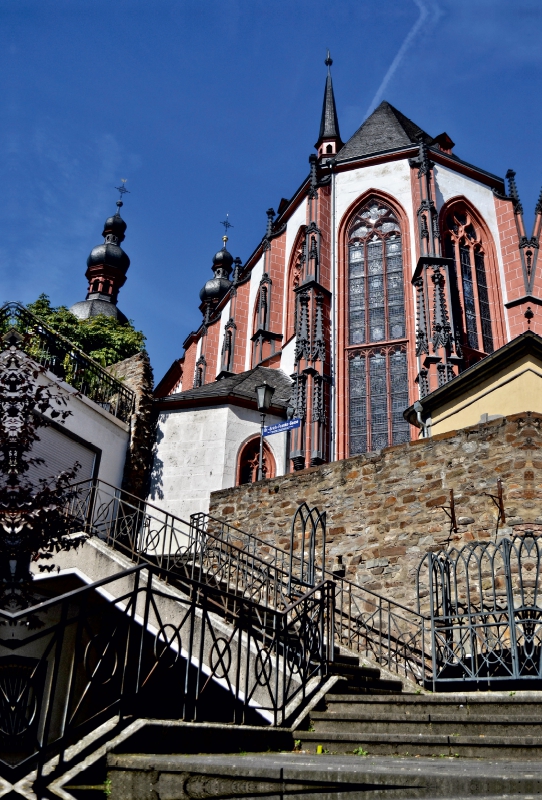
215, 288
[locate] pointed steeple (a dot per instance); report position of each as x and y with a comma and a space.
329, 138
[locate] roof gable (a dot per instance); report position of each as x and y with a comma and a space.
385, 129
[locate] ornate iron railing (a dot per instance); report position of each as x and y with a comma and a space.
216, 553
66, 361
374, 626
124, 647
486, 611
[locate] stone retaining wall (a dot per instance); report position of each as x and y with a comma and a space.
136, 373
383, 507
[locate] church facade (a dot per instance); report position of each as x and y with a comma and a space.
395, 266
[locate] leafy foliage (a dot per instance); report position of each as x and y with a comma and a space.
104, 339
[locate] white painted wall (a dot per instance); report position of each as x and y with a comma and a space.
287, 357
196, 454
255, 278
392, 178
451, 184
224, 317
298, 218
90, 422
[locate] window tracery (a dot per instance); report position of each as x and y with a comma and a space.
378, 377
463, 244
248, 461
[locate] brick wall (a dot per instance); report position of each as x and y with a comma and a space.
382, 507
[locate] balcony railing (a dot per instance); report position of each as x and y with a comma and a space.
66, 361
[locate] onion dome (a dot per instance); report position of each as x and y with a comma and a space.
110, 254
107, 265
115, 225
215, 288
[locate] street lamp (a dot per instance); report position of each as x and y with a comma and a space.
264, 395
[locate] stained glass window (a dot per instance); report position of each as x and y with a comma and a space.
378, 397
375, 291
378, 379
471, 304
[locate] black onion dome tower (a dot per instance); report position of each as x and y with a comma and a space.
107, 266
215, 288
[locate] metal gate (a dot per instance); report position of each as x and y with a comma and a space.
486, 612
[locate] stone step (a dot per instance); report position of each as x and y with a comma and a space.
353, 671
449, 725
525, 748
353, 686
487, 704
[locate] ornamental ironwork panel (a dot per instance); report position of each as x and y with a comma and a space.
486, 611
67, 362
127, 647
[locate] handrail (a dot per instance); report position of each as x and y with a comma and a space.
129, 652
65, 360
217, 553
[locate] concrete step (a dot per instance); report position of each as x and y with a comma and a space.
525, 748
354, 671
449, 725
487, 704
352, 686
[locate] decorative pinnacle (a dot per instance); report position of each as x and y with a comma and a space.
329, 61
528, 316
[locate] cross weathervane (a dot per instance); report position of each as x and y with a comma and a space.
227, 224
122, 188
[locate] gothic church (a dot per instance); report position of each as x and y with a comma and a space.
395, 266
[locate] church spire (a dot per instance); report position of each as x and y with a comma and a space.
329, 139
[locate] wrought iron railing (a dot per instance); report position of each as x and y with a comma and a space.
485, 611
216, 553
124, 647
66, 361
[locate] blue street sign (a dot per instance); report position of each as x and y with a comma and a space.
279, 427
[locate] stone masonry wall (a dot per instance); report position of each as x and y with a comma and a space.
136, 374
383, 510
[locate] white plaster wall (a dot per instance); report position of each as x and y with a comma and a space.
287, 357
94, 425
255, 278
224, 317
451, 184
393, 178
298, 218
196, 454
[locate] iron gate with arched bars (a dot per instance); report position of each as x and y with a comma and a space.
485, 605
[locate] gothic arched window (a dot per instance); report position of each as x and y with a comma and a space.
376, 299
248, 461
463, 244
378, 378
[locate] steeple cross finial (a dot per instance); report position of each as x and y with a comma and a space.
122, 188
227, 224
329, 61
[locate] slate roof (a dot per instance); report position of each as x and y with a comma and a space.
242, 386
385, 129
329, 124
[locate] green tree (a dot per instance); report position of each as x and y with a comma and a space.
104, 339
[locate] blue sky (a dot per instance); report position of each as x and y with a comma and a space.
210, 107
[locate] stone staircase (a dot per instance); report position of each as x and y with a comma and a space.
365, 714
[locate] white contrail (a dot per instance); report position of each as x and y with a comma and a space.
424, 13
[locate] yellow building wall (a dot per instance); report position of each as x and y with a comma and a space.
513, 390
